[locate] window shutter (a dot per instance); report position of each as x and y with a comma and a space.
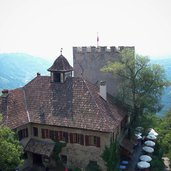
98, 142
76, 138
56, 136
71, 138
66, 136
51, 134
43, 133
47, 133
86, 140
59, 135
82, 139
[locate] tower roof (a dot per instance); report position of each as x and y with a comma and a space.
61, 64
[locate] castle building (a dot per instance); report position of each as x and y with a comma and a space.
88, 61
63, 108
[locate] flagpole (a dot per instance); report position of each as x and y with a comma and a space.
97, 40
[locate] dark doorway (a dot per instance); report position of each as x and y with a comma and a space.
37, 159
64, 159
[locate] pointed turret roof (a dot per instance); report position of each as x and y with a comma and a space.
61, 64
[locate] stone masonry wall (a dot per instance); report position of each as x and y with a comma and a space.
88, 61
79, 155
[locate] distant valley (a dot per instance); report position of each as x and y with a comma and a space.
166, 98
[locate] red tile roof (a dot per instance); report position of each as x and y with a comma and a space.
75, 103
15, 114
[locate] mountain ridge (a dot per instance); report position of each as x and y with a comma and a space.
16, 69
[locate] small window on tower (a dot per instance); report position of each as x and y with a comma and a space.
68, 74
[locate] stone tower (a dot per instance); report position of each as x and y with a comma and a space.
88, 61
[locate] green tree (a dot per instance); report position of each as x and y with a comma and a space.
92, 166
111, 156
141, 86
164, 128
157, 161
10, 149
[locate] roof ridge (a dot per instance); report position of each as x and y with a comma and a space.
28, 115
63, 61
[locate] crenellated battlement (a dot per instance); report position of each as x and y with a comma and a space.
88, 62
100, 48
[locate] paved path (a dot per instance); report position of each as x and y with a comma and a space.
135, 158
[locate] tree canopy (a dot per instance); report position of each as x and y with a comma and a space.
10, 149
111, 156
164, 128
141, 86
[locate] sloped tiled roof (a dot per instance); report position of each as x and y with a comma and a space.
16, 114
40, 147
61, 65
75, 103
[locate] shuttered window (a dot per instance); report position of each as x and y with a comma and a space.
77, 138
45, 133
52, 135
87, 140
23, 133
71, 138
92, 141
65, 136
81, 139
98, 142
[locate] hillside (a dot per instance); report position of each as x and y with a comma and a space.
16, 69
166, 99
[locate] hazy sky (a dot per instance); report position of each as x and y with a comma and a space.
42, 27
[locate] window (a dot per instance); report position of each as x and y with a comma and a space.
77, 138
55, 135
52, 135
35, 131
80, 139
65, 136
68, 137
45, 133
74, 137
92, 141
23, 133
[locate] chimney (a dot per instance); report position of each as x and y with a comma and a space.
103, 92
38, 74
4, 93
